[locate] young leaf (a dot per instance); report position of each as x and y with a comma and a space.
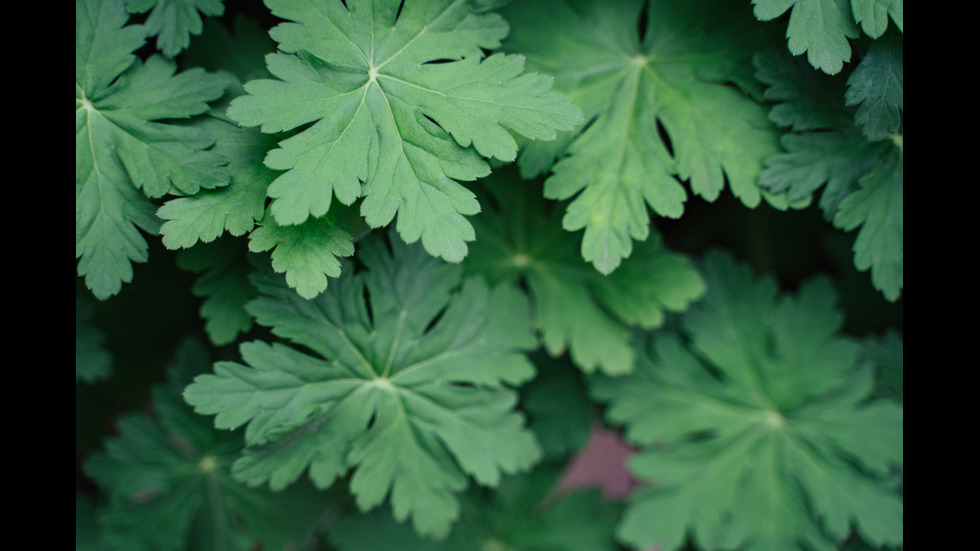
408, 387
659, 106
397, 104
307, 253
756, 423
575, 308
125, 142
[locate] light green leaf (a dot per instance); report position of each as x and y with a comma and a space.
126, 141
158, 156
818, 28
234, 208
407, 387
307, 253
401, 106
873, 15
659, 109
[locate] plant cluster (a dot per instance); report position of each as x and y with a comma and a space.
365, 274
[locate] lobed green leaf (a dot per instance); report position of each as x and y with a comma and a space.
756, 424
658, 106
398, 106
421, 366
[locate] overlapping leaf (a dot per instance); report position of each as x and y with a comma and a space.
576, 309
822, 29
407, 387
224, 284
659, 106
860, 182
877, 87
233, 209
238, 53
394, 102
170, 484
524, 513
126, 142
307, 253
174, 21
758, 429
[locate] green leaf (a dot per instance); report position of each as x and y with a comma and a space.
224, 285
873, 15
800, 98
170, 486
818, 28
659, 106
756, 425
157, 156
407, 387
576, 309
234, 208
174, 21
125, 141
108, 209
398, 105
861, 182
877, 208
827, 162
522, 514
877, 85
307, 253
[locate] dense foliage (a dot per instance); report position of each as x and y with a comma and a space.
365, 274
